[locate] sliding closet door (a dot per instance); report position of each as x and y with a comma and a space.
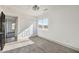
2, 30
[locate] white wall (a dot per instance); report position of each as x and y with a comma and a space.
24, 20
63, 25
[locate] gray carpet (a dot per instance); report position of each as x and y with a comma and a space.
42, 46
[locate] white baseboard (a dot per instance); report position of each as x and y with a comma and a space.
77, 49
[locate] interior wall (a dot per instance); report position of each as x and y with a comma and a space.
63, 25
24, 20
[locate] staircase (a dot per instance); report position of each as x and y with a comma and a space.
24, 35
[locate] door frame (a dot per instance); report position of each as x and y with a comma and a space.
16, 26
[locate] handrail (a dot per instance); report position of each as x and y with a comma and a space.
27, 32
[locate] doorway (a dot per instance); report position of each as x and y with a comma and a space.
10, 29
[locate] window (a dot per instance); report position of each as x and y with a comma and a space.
13, 26
43, 23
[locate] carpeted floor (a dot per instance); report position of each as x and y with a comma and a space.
42, 46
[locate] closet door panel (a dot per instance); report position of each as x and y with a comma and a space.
2, 30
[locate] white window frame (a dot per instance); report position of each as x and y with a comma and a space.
42, 25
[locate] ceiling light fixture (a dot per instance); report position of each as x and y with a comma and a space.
35, 7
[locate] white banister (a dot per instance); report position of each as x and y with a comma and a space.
26, 33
